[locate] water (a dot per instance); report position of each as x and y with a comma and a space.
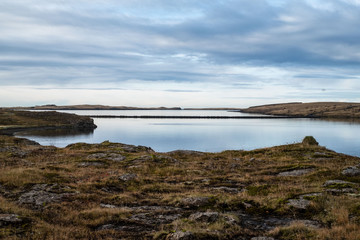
211, 135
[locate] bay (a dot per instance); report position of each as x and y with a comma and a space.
210, 135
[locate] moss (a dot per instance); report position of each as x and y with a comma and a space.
296, 232
258, 190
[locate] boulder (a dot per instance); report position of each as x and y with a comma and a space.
9, 219
196, 202
204, 217
351, 171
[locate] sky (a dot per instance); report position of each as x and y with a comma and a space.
185, 53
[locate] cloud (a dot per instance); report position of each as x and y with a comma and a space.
225, 44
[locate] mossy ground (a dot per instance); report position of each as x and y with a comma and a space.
234, 181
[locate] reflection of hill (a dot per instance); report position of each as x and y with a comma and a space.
58, 132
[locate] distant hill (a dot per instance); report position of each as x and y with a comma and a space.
314, 110
92, 107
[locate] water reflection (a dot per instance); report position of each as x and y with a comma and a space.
212, 135
58, 133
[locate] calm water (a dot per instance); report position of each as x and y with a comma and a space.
212, 135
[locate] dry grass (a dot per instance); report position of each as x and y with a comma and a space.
166, 181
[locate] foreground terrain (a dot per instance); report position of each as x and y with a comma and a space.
118, 191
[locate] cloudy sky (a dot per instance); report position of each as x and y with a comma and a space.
186, 53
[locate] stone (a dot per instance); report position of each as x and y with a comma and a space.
42, 194
107, 205
299, 203
127, 177
195, 201
204, 217
108, 156
352, 171
9, 219
296, 172
337, 184
179, 235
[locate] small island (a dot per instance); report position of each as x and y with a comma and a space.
119, 191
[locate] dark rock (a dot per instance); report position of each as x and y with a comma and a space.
42, 194
9, 219
310, 141
127, 177
192, 202
351, 171
299, 203
204, 217
179, 235
154, 219
296, 172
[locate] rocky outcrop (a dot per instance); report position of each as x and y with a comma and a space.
352, 171
296, 172
9, 219
204, 217
42, 194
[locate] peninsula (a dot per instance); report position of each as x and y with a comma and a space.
309, 110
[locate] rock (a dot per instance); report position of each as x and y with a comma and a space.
337, 184
308, 223
9, 219
179, 235
351, 171
42, 194
299, 203
302, 202
262, 238
154, 219
204, 217
296, 172
163, 158
107, 205
310, 141
231, 220
127, 177
196, 202
108, 156
88, 164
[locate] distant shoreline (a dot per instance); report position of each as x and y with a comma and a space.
190, 117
